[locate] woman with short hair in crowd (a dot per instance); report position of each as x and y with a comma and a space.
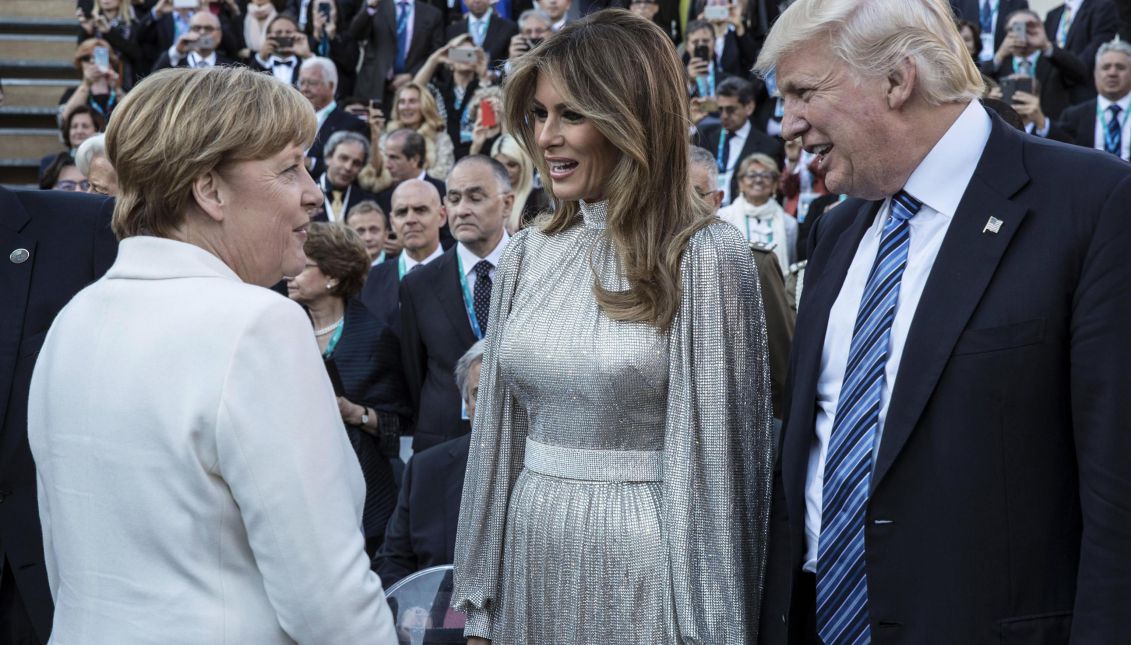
755, 212
100, 88
366, 359
529, 200
194, 482
81, 124
618, 483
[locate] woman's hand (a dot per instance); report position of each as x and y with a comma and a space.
376, 124
87, 24
350, 411
475, 640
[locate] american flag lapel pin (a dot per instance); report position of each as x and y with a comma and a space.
993, 225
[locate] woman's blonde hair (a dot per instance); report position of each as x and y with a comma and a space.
507, 145
125, 10
760, 159
179, 124
430, 121
874, 37
641, 109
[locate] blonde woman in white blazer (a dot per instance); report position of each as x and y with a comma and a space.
195, 485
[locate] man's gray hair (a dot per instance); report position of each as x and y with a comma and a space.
463, 367
90, 150
340, 137
1117, 45
874, 37
329, 70
703, 158
502, 179
535, 13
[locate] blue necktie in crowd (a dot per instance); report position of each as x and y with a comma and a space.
403, 11
842, 586
1113, 136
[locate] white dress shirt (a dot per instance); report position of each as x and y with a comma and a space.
939, 183
284, 73
734, 142
1071, 7
409, 263
194, 482
469, 260
1101, 117
477, 27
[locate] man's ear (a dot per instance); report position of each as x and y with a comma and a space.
208, 193
718, 199
443, 215
508, 203
901, 83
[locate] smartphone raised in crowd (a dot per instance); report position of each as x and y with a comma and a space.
1010, 85
102, 59
186, 4
324, 9
716, 13
487, 114
462, 55
702, 52
1017, 30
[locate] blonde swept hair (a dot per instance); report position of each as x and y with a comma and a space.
430, 121
873, 37
641, 108
179, 124
507, 145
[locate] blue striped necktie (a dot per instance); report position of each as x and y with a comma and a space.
842, 585
1113, 136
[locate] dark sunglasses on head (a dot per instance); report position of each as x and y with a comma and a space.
86, 59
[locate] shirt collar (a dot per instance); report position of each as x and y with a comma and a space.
557, 26
409, 262
193, 57
469, 259
1124, 104
325, 112
486, 17
942, 176
1074, 5
742, 132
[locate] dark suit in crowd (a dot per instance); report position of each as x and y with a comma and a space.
497, 40
1096, 23
368, 360
435, 333
422, 530
382, 292
54, 243
1078, 125
353, 196
379, 54
336, 121
756, 141
1000, 501
1059, 78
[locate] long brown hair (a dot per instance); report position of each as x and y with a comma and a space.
621, 72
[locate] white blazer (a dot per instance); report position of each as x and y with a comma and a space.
195, 482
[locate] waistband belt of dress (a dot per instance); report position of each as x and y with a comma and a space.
588, 464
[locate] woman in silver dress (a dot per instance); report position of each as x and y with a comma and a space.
618, 483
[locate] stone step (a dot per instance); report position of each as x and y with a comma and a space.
27, 117
17, 68
20, 173
35, 92
58, 49
27, 143
38, 9
40, 26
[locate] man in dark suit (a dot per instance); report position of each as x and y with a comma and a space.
734, 138
487, 29
318, 82
1081, 27
1113, 84
955, 440
444, 306
1058, 72
990, 16
197, 47
161, 26
404, 158
346, 154
400, 36
55, 244
422, 529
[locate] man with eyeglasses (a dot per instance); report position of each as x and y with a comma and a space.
197, 46
734, 138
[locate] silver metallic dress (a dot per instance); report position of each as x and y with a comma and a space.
618, 483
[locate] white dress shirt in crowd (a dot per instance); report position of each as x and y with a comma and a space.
988, 48
939, 183
279, 66
469, 260
1103, 116
734, 142
409, 263
1071, 8
477, 27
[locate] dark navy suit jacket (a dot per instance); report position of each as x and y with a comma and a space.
68, 244
422, 530
1000, 502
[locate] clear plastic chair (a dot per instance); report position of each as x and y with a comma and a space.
420, 604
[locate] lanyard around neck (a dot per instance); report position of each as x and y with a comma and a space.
467, 302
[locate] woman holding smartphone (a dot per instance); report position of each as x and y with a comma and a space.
101, 86
464, 71
618, 484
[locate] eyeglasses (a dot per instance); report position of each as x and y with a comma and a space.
760, 176
730, 109
72, 186
305, 82
202, 29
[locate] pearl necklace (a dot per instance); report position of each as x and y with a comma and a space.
331, 328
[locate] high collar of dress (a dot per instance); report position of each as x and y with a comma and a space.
595, 214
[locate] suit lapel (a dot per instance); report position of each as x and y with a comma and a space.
961, 272
451, 298
15, 285
808, 344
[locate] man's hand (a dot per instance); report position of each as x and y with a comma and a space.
1010, 46
1029, 107
187, 42
518, 47
698, 67
101, 25
302, 46
267, 49
163, 8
